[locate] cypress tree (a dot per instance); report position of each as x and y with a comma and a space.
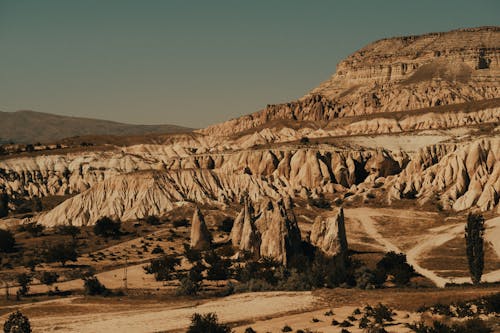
474, 242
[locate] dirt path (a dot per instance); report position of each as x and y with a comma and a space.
434, 238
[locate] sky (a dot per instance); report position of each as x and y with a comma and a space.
195, 63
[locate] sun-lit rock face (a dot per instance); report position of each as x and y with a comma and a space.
395, 74
244, 235
458, 176
328, 234
201, 239
281, 239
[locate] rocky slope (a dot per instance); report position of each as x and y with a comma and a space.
458, 176
395, 74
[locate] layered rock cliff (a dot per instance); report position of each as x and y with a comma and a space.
395, 74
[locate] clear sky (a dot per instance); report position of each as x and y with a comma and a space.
194, 63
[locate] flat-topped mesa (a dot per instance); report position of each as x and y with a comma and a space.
281, 240
328, 234
392, 75
201, 239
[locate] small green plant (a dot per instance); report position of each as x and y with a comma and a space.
92, 286
24, 281
17, 323
207, 323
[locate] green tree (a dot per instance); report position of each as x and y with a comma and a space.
7, 241
106, 227
69, 230
207, 323
61, 252
92, 286
24, 281
163, 267
49, 278
220, 268
4, 205
33, 228
17, 323
474, 243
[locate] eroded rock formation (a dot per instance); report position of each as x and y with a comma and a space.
201, 239
328, 234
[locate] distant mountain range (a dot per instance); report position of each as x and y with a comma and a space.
32, 127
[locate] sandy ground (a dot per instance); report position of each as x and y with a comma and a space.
408, 143
435, 237
158, 317
323, 323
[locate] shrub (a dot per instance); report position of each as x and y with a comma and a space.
219, 268
7, 241
4, 205
17, 323
49, 278
158, 249
250, 330
69, 230
319, 202
92, 286
60, 252
188, 286
152, 220
207, 323
226, 225
286, 328
163, 267
470, 326
24, 281
180, 223
191, 255
345, 323
395, 264
33, 228
106, 227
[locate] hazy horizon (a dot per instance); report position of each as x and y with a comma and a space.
198, 63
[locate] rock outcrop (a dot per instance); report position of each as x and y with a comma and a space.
328, 234
281, 240
458, 176
395, 74
244, 234
201, 239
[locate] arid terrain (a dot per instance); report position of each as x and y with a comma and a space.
301, 214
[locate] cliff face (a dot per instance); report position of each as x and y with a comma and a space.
395, 74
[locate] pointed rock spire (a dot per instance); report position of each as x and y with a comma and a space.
250, 236
201, 239
282, 238
245, 213
329, 234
